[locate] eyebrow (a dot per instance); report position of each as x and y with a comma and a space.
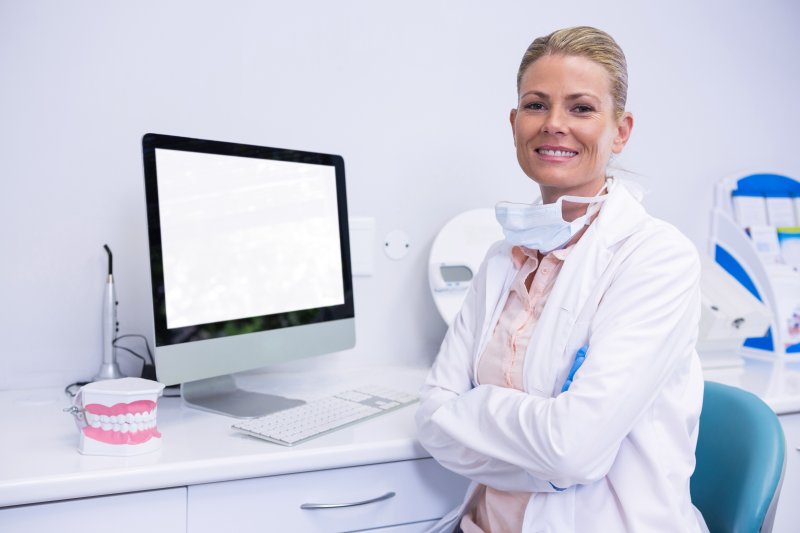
574, 96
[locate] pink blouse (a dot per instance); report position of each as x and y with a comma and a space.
501, 364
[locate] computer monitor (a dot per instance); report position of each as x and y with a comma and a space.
249, 263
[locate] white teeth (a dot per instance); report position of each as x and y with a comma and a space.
128, 422
557, 153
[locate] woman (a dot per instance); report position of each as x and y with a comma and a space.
550, 444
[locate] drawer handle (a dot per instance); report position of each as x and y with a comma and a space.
312, 506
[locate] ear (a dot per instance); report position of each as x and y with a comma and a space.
624, 128
513, 118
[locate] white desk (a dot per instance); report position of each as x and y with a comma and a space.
207, 474
778, 384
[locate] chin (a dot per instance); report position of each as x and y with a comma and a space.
565, 180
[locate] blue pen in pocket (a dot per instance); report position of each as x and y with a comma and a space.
580, 357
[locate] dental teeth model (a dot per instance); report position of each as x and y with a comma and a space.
118, 417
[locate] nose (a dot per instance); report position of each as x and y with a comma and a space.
555, 123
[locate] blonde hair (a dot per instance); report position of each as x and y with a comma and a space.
591, 43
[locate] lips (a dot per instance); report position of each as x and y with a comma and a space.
556, 152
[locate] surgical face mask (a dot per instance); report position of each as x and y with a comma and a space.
542, 226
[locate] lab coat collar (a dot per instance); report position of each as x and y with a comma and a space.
620, 215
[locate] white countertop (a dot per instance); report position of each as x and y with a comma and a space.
40, 459
775, 382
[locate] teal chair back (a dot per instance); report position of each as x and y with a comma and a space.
741, 457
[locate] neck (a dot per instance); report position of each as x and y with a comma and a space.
572, 210
552, 193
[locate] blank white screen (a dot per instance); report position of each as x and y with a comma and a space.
244, 237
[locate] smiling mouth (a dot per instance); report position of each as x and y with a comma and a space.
555, 153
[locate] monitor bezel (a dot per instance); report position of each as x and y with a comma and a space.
165, 336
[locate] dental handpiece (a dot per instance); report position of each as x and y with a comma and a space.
109, 368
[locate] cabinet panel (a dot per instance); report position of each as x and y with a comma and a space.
423, 490
156, 510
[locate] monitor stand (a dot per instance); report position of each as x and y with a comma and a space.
220, 395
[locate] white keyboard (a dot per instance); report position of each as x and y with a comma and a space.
318, 417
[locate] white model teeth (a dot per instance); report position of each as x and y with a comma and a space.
124, 422
557, 153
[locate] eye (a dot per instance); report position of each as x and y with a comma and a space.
534, 106
583, 108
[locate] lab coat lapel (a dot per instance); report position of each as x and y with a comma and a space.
500, 273
578, 277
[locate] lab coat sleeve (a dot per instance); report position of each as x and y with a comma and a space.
644, 325
449, 378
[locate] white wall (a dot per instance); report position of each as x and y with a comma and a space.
415, 95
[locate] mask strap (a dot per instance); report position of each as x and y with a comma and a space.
594, 205
583, 199
587, 199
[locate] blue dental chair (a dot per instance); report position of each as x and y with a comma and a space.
741, 458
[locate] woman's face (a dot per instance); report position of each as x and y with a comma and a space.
565, 128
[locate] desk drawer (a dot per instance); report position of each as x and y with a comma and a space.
422, 489
153, 510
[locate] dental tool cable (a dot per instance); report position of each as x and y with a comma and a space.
72, 388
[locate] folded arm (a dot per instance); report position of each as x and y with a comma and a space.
645, 324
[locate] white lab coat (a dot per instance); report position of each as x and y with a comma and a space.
621, 441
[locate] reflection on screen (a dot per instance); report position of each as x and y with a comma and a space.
244, 237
